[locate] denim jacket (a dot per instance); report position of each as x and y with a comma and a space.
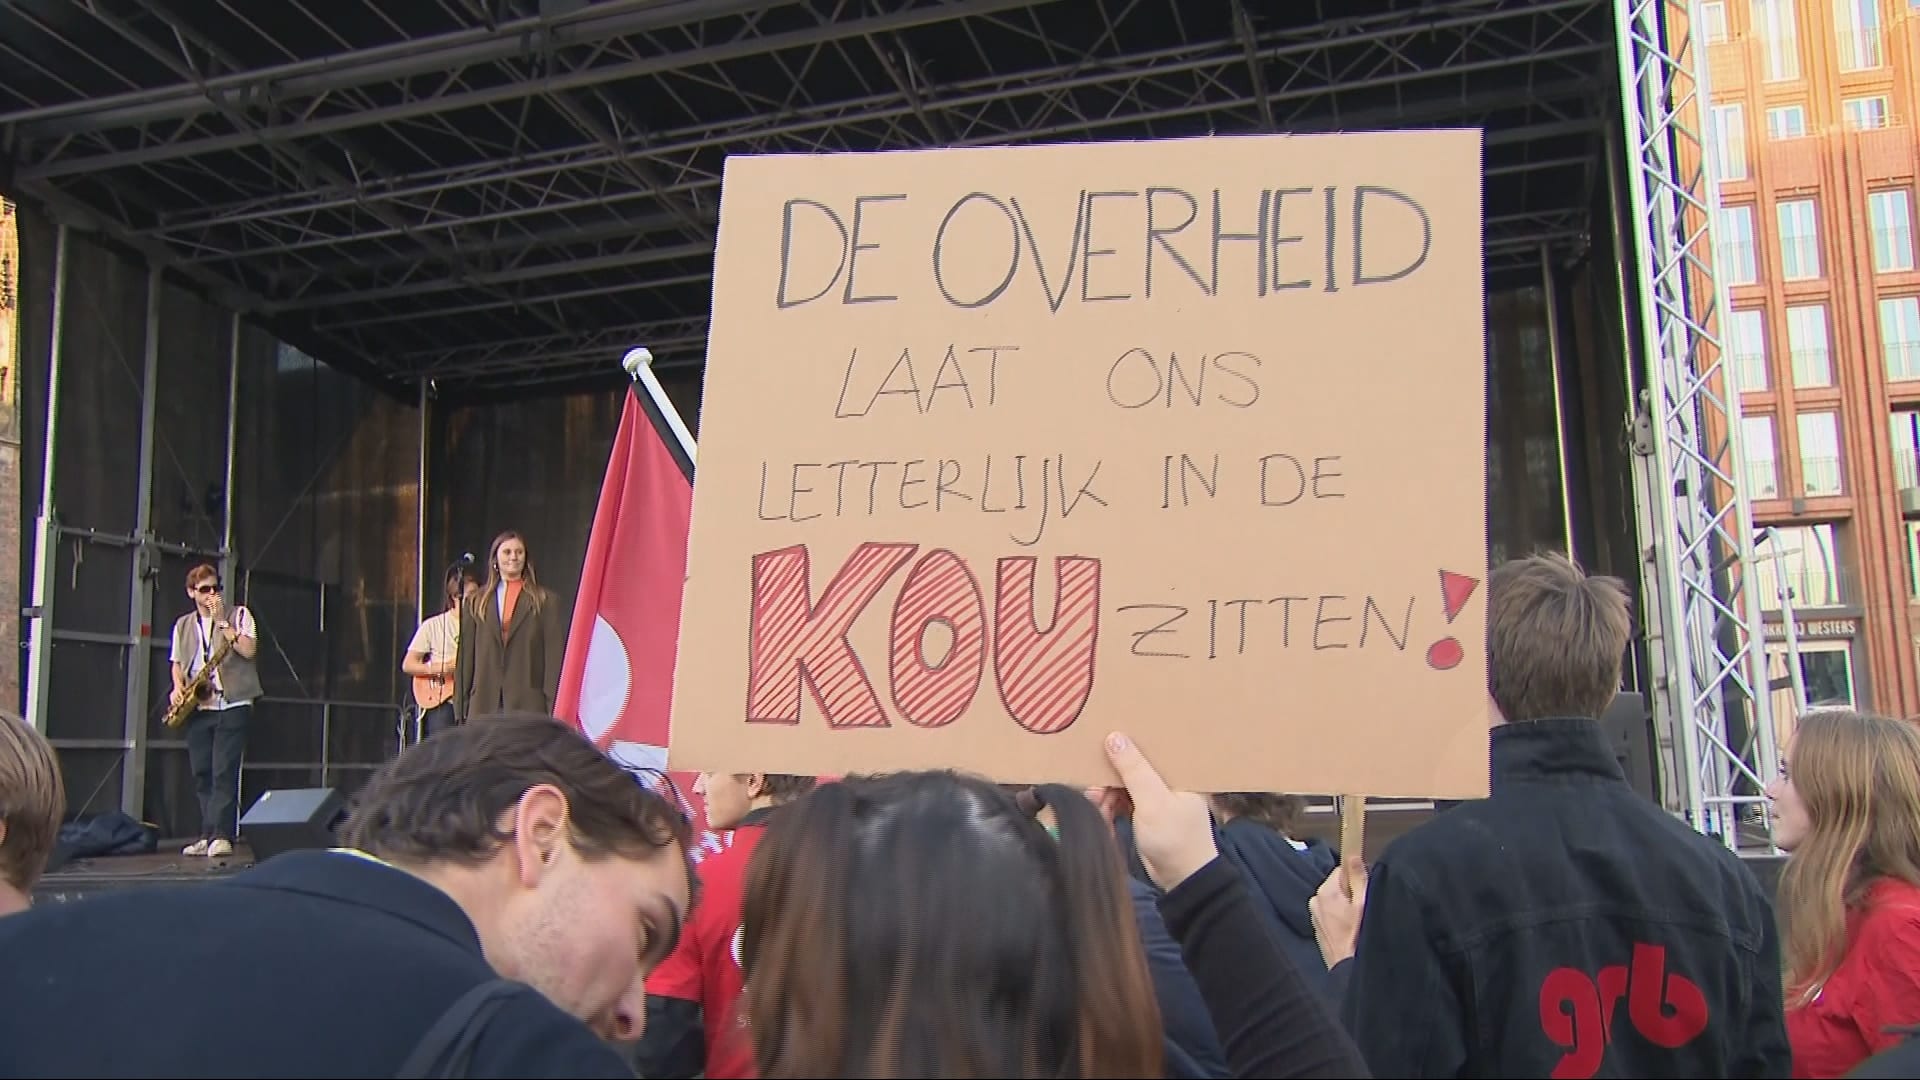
1564, 927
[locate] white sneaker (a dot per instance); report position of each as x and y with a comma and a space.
198, 847
221, 846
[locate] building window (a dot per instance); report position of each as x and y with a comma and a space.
1857, 23
1865, 113
1906, 450
1819, 453
1736, 257
1786, 122
1892, 216
1807, 343
1900, 336
1747, 348
1713, 21
1803, 558
1763, 465
1730, 141
1780, 33
1799, 240
1826, 673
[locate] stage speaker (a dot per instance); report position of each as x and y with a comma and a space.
1629, 728
291, 819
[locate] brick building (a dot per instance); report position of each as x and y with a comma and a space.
1815, 104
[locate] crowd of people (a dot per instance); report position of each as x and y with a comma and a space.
507, 900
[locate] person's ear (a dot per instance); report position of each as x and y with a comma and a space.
539, 832
756, 785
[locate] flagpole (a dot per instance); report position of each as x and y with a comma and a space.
638, 364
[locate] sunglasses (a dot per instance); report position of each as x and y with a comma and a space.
203, 590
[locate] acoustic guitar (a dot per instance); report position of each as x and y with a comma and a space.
432, 691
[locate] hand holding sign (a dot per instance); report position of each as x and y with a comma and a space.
1173, 829
1336, 908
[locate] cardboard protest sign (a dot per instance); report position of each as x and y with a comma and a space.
1004, 449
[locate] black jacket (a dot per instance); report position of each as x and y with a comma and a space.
1281, 877
1899, 1060
1191, 1045
1567, 927
314, 964
1285, 878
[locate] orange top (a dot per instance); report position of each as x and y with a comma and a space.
506, 606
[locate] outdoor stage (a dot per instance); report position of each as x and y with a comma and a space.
338, 313
82, 878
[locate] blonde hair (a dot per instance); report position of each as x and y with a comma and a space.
32, 801
1859, 778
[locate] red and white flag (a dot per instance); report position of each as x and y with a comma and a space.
617, 680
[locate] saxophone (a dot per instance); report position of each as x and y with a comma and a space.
199, 688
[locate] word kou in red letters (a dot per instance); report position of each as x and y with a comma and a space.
1044, 675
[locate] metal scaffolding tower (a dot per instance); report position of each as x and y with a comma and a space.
1709, 672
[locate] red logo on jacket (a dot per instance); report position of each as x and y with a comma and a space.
1577, 1010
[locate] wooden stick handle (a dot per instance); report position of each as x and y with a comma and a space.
1353, 826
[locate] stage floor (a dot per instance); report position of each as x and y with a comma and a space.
87, 877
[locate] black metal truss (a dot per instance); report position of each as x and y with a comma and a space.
506, 193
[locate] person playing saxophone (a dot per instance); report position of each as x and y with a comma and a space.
217, 730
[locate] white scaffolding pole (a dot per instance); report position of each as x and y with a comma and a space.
1713, 688
133, 770
46, 527
428, 600
229, 565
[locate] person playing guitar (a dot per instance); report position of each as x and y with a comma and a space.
434, 649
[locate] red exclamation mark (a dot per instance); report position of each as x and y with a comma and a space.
1446, 654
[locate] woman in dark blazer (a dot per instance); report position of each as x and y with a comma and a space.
511, 639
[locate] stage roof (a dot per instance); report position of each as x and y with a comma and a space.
502, 195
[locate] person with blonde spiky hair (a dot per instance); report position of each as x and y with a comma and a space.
32, 800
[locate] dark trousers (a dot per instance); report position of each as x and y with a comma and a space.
437, 719
216, 741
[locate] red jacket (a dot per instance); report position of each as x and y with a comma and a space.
1876, 987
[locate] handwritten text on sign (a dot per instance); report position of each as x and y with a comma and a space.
1005, 449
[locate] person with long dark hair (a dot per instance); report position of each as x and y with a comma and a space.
511, 638
925, 924
920, 924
